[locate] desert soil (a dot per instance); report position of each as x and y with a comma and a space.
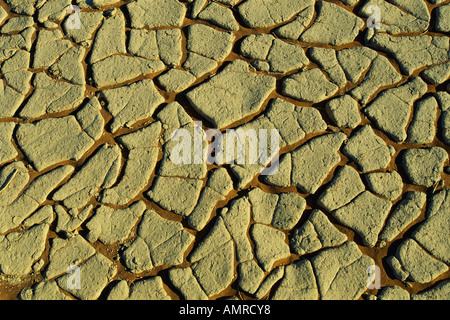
93, 205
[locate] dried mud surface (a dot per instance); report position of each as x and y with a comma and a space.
87, 180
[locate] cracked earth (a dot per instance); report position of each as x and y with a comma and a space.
87, 179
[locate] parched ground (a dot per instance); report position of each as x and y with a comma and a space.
91, 97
